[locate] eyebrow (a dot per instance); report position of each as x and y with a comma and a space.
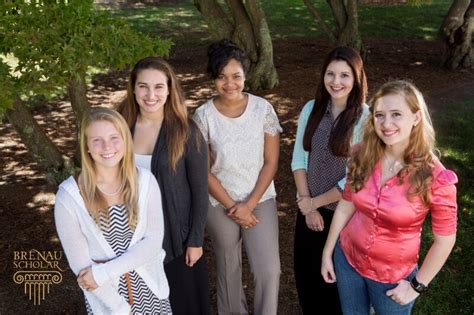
139, 82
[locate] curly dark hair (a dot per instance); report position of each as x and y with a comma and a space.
220, 53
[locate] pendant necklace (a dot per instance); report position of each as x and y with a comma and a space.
393, 165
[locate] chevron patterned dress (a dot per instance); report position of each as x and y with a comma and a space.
119, 235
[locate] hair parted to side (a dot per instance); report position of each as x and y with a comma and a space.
220, 53
340, 138
93, 197
419, 155
175, 121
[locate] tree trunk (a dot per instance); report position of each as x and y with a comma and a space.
219, 23
45, 153
346, 30
248, 28
264, 74
345, 14
456, 35
77, 91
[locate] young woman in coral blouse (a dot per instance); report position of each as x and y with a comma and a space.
394, 180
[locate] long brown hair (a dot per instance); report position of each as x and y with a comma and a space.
175, 121
419, 155
93, 197
339, 141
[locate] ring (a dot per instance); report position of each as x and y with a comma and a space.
246, 227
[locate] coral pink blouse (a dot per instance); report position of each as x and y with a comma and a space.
382, 239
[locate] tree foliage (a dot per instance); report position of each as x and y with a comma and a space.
51, 45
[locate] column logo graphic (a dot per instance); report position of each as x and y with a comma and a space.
37, 271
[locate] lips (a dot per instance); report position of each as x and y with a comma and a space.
107, 156
389, 133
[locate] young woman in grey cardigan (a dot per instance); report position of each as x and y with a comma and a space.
169, 144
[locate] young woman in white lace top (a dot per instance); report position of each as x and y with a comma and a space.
242, 132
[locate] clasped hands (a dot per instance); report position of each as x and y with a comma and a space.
85, 279
314, 220
243, 215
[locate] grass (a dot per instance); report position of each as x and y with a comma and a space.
451, 292
291, 18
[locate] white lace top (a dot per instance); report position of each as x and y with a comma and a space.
237, 145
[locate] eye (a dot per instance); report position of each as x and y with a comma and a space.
378, 115
396, 114
345, 75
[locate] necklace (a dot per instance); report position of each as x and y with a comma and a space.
114, 193
394, 165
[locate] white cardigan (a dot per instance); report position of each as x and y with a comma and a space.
83, 242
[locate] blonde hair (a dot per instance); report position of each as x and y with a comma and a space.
418, 156
175, 119
93, 197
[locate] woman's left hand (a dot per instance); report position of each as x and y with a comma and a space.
193, 254
403, 293
85, 279
240, 212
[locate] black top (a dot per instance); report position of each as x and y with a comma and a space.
184, 192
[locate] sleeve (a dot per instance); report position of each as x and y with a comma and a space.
201, 124
271, 125
444, 204
196, 169
146, 249
300, 156
347, 193
76, 248
358, 133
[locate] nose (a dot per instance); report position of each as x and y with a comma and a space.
151, 94
106, 145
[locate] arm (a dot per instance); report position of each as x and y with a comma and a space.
344, 211
76, 249
443, 222
432, 264
196, 170
143, 251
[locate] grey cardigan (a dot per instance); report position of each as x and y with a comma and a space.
184, 192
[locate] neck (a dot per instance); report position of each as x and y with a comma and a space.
151, 118
108, 175
231, 103
339, 104
395, 152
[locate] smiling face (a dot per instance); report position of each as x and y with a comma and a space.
394, 120
151, 90
231, 81
105, 144
339, 81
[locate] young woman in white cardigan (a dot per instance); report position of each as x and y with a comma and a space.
110, 223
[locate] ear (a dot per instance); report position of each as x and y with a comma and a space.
417, 118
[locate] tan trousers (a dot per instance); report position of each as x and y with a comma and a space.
261, 245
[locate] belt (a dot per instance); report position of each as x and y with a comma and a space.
127, 280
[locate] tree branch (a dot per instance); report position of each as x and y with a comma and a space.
330, 33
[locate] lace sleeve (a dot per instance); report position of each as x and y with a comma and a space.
201, 125
271, 125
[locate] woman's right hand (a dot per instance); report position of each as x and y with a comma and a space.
327, 269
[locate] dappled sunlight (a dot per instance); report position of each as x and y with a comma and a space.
42, 202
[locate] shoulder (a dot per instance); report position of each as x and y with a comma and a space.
204, 108
259, 102
67, 189
442, 176
307, 109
